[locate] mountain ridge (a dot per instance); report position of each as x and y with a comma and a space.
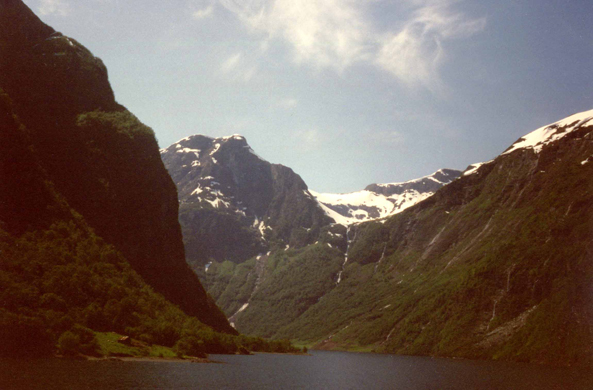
491, 266
381, 200
242, 216
504, 241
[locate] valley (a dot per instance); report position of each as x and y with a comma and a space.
112, 245
478, 268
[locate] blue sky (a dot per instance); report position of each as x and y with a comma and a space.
345, 92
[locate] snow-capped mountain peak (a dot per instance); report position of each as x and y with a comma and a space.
539, 138
545, 135
378, 201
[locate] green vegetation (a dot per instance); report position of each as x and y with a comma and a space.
291, 282
492, 267
78, 340
109, 345
89, 236
56, 285
109, 124
496, 265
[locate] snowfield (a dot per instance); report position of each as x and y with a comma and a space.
365, 205
545, 135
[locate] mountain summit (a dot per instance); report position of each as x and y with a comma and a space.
382, 200
235, 205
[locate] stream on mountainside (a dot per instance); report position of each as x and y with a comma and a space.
348, 242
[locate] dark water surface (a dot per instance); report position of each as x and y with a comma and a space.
322, 370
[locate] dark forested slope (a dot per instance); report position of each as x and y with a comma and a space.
92, 154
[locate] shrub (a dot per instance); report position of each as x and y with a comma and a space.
190, 346
69, 344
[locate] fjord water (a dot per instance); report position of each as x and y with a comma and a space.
321, 370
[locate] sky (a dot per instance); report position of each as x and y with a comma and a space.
344, 92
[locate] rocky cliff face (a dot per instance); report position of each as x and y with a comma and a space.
100, 158
265, 246
234, 205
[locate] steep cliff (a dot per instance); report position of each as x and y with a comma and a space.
100, 158
235, 205
265, 246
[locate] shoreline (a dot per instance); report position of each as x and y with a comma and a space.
189, 359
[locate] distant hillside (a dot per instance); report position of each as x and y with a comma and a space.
497, 264
383, 200
264, 245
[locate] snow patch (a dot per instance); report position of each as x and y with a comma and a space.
188, 150
216, 147
197, 191
545, 135
473, 168
242, 308
362, 202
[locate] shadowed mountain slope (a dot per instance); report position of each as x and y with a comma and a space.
100, 158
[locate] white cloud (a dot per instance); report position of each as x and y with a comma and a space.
338, 33
236, 69
325, 33
54, 7
231, 62
415, 53
203, 13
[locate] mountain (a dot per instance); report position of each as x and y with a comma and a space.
253, 231
85, 159
496, 264
235, 205
382, 200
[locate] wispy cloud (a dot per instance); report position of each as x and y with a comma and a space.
338, 33
236, 68
310, 139
414, 53
203, 13
231, 63
324, 33
54, 7
201, 9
